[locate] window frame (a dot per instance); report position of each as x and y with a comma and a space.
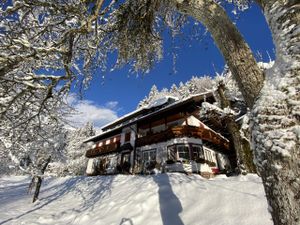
149, 151
185, 151
200, 151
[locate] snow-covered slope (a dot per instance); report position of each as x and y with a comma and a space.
163, 199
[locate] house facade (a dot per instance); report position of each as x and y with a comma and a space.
167, 135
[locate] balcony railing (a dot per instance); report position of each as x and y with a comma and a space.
183, 131
103, 150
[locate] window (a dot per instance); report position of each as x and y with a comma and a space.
142, 133
149, 160
127, 137
197, 152
158, 129
183, 152
149, 155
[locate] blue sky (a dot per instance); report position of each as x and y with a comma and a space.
120, 91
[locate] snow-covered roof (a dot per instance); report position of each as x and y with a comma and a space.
128, 115
161, 101
136, 113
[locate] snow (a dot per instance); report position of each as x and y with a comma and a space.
160, 102
210, 107
207, 107
137, 111
168, 199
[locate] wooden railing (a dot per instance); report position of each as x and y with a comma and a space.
94, 152
183, 131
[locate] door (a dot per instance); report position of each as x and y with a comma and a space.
125, 162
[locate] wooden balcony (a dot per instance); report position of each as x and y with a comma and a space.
184, 131
103, 150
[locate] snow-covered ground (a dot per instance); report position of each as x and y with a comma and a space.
163, 199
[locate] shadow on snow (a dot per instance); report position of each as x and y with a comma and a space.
170, 206
60, 190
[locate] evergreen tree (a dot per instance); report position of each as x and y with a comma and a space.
153, 93
183, 90
174, 91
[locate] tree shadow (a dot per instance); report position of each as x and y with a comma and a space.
169, 204
8, 193
72, 185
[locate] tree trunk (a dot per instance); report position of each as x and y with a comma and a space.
38, 184
276, 115
242, 148
37, 180
232, 45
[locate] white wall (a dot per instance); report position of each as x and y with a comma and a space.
133, 134
132, 130
90, 169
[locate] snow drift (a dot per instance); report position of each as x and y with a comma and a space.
163, 199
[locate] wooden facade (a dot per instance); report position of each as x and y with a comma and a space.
103, 150
183, 131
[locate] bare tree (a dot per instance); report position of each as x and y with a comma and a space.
37, 179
